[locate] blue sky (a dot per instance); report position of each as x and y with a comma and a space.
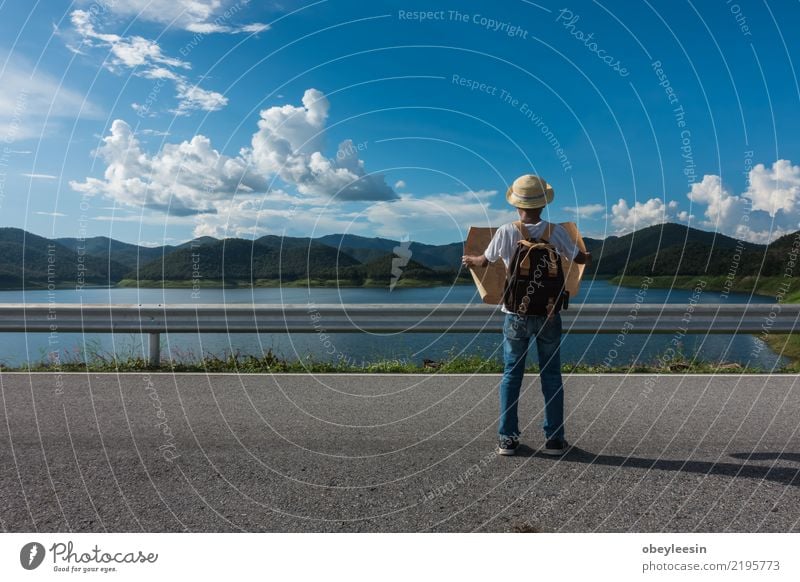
153, 122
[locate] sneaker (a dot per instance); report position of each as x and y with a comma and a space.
507, 445
555, 447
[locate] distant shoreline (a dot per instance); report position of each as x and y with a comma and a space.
243, 284
768, 286
278, 283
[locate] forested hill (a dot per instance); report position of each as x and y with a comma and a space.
671, 249
31, 261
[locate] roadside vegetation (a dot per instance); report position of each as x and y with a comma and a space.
95, 360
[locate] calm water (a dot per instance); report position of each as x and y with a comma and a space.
16, 348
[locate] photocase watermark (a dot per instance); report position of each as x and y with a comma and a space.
686, 146
568, 20
218, 22
629, 324
730, 277
535, 282
10, 136
53, 343
780, 296
679, 114
402, 254
31, 555
676, 342
476, 19
209, 187
196, 275
163, 75
168, 449
527, 111
143, 109
664, 82
80, 248
677, 338
451, 485
741, 19
329, 346
346, 149
67, 559
349, 148
536, 119
99, 7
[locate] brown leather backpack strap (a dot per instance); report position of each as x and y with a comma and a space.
525, 263
522, 230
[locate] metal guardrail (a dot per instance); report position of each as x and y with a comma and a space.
155, 319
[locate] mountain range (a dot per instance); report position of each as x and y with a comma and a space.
31, 261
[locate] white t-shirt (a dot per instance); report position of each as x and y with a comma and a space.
505, 239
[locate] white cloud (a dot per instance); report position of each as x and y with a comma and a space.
399, 185
155, 132
182, 12
156, 243
764, 212
227, 194
53, 214
192, 97
586, 211
150, 62
642, 214
215, 27
146, 218
254, 28
722, 207
443, 217
31, 98
436, 216
133, 51
776, 189
289, 142
41, 176
200, 16
277, 213
183, 178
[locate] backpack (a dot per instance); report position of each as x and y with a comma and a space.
535, 279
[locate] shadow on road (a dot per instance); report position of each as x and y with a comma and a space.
767, 456
782, 475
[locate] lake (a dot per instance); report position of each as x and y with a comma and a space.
17, 348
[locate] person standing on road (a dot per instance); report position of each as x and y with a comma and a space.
529, 194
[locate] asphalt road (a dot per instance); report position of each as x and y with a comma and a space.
391, 453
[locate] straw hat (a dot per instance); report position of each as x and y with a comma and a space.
529, 191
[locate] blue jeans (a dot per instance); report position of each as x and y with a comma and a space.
517, 333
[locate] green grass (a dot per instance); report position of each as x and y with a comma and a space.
94, 360
786, 344
758, 285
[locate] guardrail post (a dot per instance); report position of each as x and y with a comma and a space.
155, 349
